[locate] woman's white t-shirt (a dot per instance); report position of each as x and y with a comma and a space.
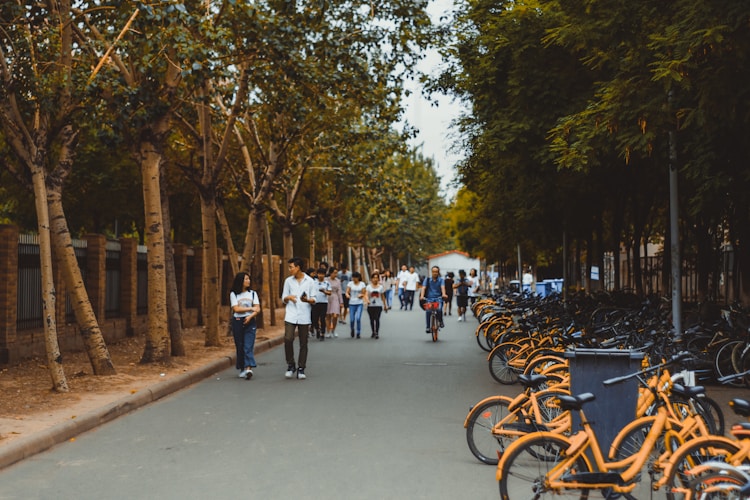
354, 291
376, 295
248, 298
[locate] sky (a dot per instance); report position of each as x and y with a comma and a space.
433, 122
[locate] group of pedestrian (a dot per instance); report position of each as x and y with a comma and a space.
316, 301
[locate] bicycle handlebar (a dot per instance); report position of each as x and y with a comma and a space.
680, 356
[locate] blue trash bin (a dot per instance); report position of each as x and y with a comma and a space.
543, 289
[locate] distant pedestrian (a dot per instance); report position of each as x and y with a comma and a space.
320, 308
245, 307
448, 304
411, 281
389, 283
345, 276
298, 295
375, 299
335, 301
462, 294
400, 280
355, 292
473, 288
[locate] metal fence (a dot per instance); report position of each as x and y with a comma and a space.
29, 286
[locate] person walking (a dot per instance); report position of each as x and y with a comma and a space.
345, 278
375, 299
473, 288
433, 290
320, 308
245, 308
462, 294
388, 284
355, 292
411, 281
400, 280
448, 304
298, 296
335, 301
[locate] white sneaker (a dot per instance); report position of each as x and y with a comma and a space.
301, 374
290, 371
328, 335
243, 374
459, 319
335, 335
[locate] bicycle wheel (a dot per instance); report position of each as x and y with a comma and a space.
717, 486
500, 369
434, 326
714, 413
723, 362
688, 456
482, 443
525, 466
631, 443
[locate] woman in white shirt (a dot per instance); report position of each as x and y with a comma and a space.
245, 307
355, 292
376, 304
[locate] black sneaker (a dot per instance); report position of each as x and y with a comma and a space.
428, 330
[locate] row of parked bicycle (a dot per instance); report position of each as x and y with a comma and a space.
719, 343
541, 441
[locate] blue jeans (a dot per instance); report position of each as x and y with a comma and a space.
244, 342
389, 297
355, 317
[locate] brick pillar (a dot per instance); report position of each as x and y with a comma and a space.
129, 283
96, 272
181, 270
8, 292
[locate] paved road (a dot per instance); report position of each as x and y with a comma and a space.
375, 419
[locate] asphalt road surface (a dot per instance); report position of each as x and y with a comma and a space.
375, 419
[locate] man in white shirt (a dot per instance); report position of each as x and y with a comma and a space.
473, 288
298, 295
411, 280
400, 278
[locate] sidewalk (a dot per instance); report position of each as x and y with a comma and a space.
27, 446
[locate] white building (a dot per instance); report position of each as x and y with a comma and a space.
453, 261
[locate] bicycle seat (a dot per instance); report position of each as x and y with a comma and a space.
532, 381
575, 402
688, 392
740, 407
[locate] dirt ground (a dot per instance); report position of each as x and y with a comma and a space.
28, 405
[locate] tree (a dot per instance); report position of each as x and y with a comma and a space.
39, 105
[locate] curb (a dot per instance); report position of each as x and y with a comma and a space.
26, 447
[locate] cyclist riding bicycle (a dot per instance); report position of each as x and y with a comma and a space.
433, 290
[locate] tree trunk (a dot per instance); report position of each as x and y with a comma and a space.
173, 298
234, 262
288, 241
211, 269
91, 334
157, 336
272, 293
54, 358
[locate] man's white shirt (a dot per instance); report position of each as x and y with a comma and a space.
299, 313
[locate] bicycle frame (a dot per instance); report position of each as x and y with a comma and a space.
586, 441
